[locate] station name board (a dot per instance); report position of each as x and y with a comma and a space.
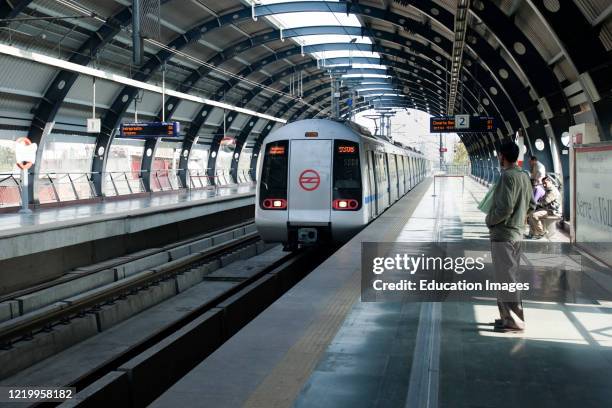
461, 124
149, 129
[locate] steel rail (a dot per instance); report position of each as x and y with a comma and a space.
300, 263
25, 327
62, 280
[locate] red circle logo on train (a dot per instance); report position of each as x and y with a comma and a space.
310, 180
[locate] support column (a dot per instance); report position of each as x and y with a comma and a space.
335, 98
440, 153
146, 164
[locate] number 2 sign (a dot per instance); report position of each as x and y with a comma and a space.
462, 121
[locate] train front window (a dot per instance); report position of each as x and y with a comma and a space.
347, 172
274, 173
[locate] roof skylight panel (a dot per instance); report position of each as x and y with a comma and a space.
366, 64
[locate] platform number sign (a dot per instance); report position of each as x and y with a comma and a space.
462, 121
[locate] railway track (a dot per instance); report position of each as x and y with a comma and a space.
69, 278
258, 291
28, 325
166, 364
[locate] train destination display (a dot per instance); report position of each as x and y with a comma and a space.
149, 129
461, 124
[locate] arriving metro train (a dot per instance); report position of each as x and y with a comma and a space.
322, 180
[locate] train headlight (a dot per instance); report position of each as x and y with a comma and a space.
344, 204
274, 204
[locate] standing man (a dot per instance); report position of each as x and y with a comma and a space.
512, 199
538, 170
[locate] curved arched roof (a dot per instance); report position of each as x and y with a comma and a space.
520, 63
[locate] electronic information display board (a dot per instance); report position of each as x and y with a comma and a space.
149, 129
461, 124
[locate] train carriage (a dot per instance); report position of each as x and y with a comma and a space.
321, 180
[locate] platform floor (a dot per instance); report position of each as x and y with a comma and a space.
320, 346
79, 212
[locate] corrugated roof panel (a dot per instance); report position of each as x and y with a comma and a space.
185, 14
592, 8
75, 112
215, 117
200, 51
151, 102
259, 126
605, 35
16, 103
83, 90
567, 70
223, 37
21, 74
531, 25
450, 5
187, 110
239, 122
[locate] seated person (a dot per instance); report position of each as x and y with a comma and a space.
549, 204
538, 190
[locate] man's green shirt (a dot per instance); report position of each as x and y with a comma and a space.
512, 199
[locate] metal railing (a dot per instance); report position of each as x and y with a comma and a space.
244, 176
199, 179
166, 180
453, 169
10, 189
51, 188
221, 177
118, 183
58, 187
62, 187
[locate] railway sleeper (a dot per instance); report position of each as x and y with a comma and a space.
24, 353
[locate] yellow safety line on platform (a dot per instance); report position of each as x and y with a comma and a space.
282, 386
